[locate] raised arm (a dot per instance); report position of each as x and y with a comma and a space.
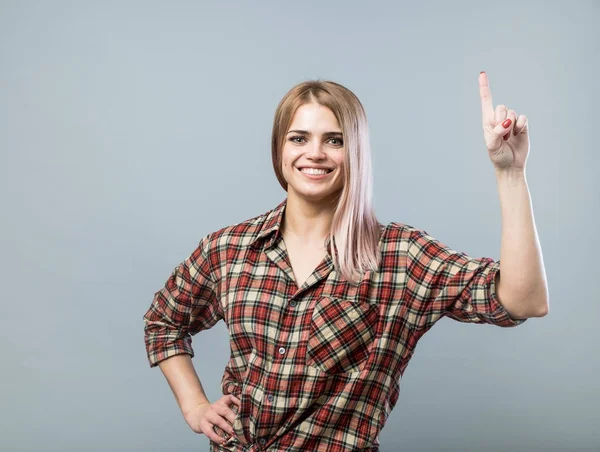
444, 282
522, 285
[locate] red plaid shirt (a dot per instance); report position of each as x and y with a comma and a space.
316, 367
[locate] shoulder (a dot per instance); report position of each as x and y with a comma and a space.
401, 232
406, 238
238, 235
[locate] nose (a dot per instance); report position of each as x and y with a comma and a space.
315, 152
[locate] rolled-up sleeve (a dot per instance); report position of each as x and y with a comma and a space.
187, 304
444, 282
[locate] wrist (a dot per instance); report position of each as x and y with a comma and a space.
188, 408
510, 174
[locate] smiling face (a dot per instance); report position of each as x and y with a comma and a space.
313, 154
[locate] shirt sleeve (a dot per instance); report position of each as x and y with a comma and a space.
186, 304
443, 282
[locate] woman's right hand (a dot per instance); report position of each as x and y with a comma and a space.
204, 416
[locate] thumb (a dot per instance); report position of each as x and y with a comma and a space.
503, 128
499, 131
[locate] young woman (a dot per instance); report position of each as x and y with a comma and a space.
324, 304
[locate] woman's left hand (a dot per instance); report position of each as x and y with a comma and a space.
507, 144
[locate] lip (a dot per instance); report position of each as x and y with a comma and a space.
315, 167
315, 176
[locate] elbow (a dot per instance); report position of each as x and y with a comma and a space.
544, 309
543, 304
538, 302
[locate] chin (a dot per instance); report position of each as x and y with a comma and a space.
316, 196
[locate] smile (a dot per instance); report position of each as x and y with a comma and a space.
315, 171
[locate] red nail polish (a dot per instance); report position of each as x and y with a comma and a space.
506, 124
506, 136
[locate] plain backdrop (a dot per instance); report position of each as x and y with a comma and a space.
130, 129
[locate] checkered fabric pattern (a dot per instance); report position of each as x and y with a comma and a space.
316, 367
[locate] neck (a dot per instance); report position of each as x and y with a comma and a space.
307, 221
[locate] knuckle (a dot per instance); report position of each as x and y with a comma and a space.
206, 427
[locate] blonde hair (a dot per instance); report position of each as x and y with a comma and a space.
355, 231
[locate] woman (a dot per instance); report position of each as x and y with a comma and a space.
325, 305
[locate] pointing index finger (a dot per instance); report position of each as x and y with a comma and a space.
487, 106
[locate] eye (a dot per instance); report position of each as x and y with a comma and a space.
339, 140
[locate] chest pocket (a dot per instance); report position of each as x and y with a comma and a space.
341, 334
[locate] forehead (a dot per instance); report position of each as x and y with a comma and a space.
314, 116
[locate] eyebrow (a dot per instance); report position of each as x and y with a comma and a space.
326, 134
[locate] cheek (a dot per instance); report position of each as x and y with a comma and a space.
340, 159
286, 164
287, 158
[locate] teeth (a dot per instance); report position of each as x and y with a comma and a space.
313, 171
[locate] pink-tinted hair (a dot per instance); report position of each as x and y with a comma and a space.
355, 230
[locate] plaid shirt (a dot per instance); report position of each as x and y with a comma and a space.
316, 367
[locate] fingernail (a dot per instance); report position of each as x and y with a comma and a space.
506, 124
506, 136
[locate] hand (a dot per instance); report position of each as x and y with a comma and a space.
508, 147
202, 418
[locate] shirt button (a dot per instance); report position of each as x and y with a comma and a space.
281, 350
293, 303
270, 397
262, 441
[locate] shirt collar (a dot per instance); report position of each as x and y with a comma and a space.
272, 223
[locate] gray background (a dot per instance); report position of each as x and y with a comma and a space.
128, 130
